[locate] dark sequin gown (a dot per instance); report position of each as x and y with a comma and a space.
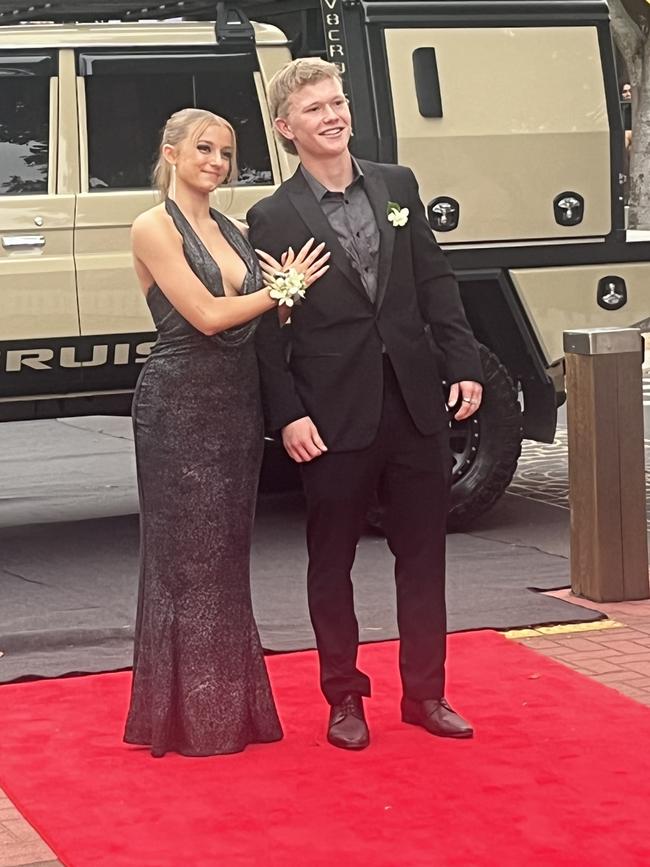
200, 685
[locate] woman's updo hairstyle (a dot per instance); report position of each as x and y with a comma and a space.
189, 124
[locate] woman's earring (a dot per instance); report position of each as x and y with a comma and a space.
172, 185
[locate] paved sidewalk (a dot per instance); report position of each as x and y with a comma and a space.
19, 842
615, 652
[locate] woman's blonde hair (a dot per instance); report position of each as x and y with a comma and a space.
189, 124
289, 79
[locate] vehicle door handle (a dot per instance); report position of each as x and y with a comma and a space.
427, 82
12, 242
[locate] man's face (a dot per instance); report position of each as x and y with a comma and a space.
318, 119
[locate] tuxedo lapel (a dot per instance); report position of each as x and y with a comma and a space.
311, 213
378, 196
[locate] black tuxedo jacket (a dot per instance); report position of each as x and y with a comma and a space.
331, 369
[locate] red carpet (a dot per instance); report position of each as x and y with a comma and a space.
558, 775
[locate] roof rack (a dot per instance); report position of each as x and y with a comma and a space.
301, 20
69, 11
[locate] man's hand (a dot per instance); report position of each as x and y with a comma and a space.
470, 394
302, 440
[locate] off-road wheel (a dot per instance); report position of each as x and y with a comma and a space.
486, 448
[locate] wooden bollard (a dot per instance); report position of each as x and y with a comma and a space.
609, 547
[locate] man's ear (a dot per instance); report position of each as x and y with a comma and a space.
283, 128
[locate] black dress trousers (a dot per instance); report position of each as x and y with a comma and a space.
412, 474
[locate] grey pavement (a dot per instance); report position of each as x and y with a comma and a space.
66, 470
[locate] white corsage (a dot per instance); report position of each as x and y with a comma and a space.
287, 287
397, 215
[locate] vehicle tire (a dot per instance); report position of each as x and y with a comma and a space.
486, 448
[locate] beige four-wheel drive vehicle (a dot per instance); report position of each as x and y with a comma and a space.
507, 112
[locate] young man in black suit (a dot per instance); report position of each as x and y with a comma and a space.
359, 399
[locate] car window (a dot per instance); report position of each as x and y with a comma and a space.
24, 133
127, 105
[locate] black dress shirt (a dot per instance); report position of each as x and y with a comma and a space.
350, 215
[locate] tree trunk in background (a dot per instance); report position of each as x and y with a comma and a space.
630, 24
639, 212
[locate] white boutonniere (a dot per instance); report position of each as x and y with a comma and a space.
397, 215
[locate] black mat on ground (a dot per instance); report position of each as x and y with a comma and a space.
68, 590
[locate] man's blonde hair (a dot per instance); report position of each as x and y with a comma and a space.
289, 79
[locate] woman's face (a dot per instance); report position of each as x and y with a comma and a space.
204, 163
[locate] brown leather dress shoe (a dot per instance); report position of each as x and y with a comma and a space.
437, 717
347, 725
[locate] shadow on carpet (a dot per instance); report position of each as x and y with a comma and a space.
69, 590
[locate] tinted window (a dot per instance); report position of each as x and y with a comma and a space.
126, 113
24, 134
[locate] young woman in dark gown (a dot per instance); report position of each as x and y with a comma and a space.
200, 685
